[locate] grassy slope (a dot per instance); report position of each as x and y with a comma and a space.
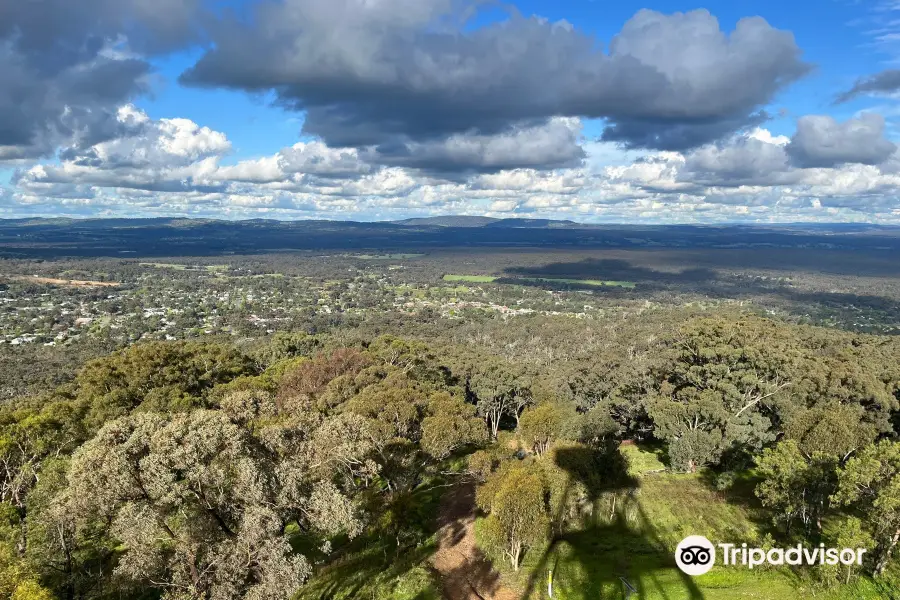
592, 282
371, 574
374, 568
638, 544
640, 541
470, 278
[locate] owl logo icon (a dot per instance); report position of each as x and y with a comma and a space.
695, 555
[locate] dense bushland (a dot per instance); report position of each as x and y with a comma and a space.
204, 470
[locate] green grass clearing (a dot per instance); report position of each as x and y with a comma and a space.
643, 459
180, 267
636, 540
371, 574
592, 282
639, 540
177, 267
470, 278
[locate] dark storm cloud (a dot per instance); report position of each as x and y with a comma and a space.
884, 82
65, 66
59, 33
397, 73
75, 106
822, 142
664, 135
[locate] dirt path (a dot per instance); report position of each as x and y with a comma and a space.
464, 571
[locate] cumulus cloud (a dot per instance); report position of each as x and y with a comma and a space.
417, 107
145, 144
820, 141
74, 105
550, 145
742, 161
316, 158
658, 173
66, 66
51, 27
568, 181
753, 172
395, 72
178, 156
502, 206
303, 158
175, 166
166, 155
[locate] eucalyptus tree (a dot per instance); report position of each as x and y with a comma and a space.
721, 390
200, 508
870, 483
797, 486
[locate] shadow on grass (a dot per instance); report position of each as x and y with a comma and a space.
346, 578
612, 549
740, 491
390, 561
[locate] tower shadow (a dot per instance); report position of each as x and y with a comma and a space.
612, 545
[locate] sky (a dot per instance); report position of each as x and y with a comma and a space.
595, 111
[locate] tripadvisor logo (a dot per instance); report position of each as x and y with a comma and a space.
696, 555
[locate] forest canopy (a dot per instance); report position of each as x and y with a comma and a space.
214, 471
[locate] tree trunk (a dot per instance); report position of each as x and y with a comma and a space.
22, 544
886, 555
494, 418
70, 584
514, 555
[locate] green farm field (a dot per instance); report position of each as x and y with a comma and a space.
470, 278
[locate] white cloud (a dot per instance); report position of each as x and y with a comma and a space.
764, 135
152, 144
569, 181
503, 206
821, 141
303, 158
175, 166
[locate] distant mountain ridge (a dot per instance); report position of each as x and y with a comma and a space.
447, 221
178, 236
540, 224
478, 221
440, 222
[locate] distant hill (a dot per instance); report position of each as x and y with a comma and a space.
536, 224
474, 221
448, 221
168, 237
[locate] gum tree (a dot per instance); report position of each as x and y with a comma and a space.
871, 483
